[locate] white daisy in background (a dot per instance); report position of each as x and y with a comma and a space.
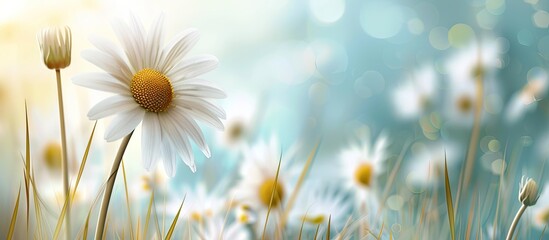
46, 146
241, 121
426, 167
526, 98
245, 215
362, 164
319, 202
416, 94
156, 86
148, 181
463, 69
200, 204
540, 211
257, 178
217, 228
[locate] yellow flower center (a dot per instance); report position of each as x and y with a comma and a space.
243, 218
478, 70
314, 219
235, 131
464, 104
266, 191
52, 155
196, 216
152, 90
364, 174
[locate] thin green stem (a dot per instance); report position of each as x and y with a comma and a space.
515, 222
64, 157
479, 103
110, 184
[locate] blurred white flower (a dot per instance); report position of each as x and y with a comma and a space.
217, 228
465, 66
318, 202
427, 166
245, 215
200, 205
154, 85
463, 70
526, 99
362, 163
540, 211
417, 94
149, 181
257, 177
240, 123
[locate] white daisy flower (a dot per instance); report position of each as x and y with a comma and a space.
318, 203
468, 63
526, 98
201, 204
156, 86
241, 121
427, 165
245, 215
148, 181
217, 228
416, 94
540, 211
463, 70
362, 164
258, 175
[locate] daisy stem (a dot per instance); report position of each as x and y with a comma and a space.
515, 222
110, 184
473, 142
64, 156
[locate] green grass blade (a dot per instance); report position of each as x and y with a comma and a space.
27, 164
86, 226
14, 216
316, 232
127, 200
300, 181
174, 223
329, 226
449, 205
272, 196
146, 227
84, 160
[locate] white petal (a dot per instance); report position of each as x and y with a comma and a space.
151, 139
126, 38
179, 141
189, 127
199, 104
105, 62
197, 89
139, 41
124, 123
154, 40
114, 52
102, 82
169, 156
110, 106
177, 48
194, 66
205, 117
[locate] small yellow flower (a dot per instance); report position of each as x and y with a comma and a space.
56, 44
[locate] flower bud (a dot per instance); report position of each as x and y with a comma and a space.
528, 192
56, 44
